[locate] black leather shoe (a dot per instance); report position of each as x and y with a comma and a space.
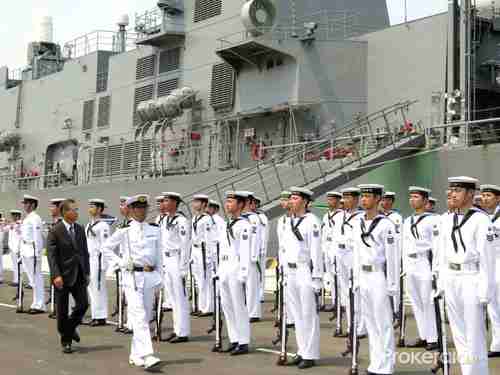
493, 354
417, 344
431, 346
290, 326
204, 315
306, 363
35, 311
97, 322
296, 360
230, 348
170, 337
179, 339
67, 349
127, 331
240, 349
166, 309
254, 320
13, 284
76, 337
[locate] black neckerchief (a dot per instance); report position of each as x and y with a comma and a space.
331, 223
169, 223
368, 234
161, 219
495, 218
413, 225
90, 228
196, 221
347, 222
229, 230
457, 226
295, 228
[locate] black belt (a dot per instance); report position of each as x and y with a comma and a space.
144, 269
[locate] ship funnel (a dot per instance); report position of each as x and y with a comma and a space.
46, 30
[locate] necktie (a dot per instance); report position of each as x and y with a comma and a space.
72, 231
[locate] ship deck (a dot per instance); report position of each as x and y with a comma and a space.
29, 344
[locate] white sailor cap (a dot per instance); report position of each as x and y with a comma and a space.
334, 194
285, 194
433, 200
390, 194
351, 191
248, 194
213, 203
372, 189
16, 212
463, 182
97, 201
139, 198
56, 201
420, 190
235, 195
124, 198
172, 195
305, 193
28, 198
490, 189
200, 197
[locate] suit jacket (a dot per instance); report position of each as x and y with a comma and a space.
67, 256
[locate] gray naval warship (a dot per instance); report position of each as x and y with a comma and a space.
211, 95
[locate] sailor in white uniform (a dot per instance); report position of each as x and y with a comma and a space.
343, 234
233, 273
331, 220
176, 246
31, 252
418, 256
14, 242
387, 206
255, 273
304, 269
142, 268
202, 230
219, 225
160, 205
97, 232
376, 277
467, 274
264, 238
490, 197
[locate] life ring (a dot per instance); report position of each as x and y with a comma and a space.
257, 152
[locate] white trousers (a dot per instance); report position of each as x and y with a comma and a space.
176, 288
263, 278
419, 287
344, 267
140, 312
98, 295
233, 303
35, 278
303, 307
203, 280
494, 313
377, 315
467, 322
253, 286
167, 301
13, 257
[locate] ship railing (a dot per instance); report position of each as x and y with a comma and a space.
463, 134
39, 182
312, 162
99, 40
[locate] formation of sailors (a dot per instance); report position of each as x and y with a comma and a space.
362, 251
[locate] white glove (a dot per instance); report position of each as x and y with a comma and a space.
317, 285
483, 301
392, 291
242, 278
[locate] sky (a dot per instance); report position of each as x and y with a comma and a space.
19, 19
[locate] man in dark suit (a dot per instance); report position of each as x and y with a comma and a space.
68, 258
